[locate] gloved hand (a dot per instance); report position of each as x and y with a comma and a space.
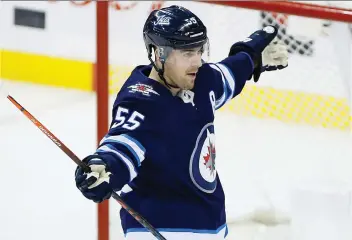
275, 56
266, 52
94, 185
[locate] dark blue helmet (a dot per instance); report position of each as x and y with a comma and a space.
174, 27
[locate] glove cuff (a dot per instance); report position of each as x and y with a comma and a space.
254, 45
87, 159
90, 157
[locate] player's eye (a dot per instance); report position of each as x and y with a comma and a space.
189, 53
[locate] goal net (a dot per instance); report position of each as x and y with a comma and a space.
313, 92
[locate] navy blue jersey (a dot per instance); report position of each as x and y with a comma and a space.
161, 148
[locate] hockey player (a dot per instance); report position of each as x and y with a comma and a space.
160, 149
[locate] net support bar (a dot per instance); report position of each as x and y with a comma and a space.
102, 99
293, 8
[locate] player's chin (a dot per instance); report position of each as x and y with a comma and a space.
188, 86
190, 82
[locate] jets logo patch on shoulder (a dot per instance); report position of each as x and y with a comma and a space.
202, 168
146, 90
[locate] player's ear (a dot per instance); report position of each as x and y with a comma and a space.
157, 56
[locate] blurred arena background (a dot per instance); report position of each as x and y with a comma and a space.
283, 146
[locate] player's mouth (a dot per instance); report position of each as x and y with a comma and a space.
192, 74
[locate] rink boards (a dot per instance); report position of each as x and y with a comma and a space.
259, 101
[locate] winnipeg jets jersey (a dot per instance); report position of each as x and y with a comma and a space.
161, 149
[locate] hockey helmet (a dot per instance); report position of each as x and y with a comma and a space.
174, 27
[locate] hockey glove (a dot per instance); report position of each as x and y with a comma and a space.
275, 56
265, 57
94, 185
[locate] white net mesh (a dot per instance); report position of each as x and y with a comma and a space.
294, 44
315, 83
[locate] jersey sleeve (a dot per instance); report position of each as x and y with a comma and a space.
124, 147
230, 76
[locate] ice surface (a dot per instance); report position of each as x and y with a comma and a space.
259, 162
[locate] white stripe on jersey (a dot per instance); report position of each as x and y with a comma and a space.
132, 144
228, 81
124, 158
126, 189
174, 234
228, 77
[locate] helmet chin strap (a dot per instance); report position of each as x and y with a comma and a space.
161, 72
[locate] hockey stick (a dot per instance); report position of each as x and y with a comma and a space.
71, 155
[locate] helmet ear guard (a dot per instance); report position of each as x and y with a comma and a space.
163, 52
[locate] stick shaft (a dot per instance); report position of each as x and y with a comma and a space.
51, 136
73, 156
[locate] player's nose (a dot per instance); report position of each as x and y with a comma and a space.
197, 62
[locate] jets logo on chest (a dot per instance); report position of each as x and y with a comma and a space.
202, 166
209, 158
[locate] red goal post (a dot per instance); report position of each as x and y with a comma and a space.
102, 64
293, 8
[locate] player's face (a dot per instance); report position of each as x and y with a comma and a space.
181, 67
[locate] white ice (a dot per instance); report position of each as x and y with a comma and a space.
259, 162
